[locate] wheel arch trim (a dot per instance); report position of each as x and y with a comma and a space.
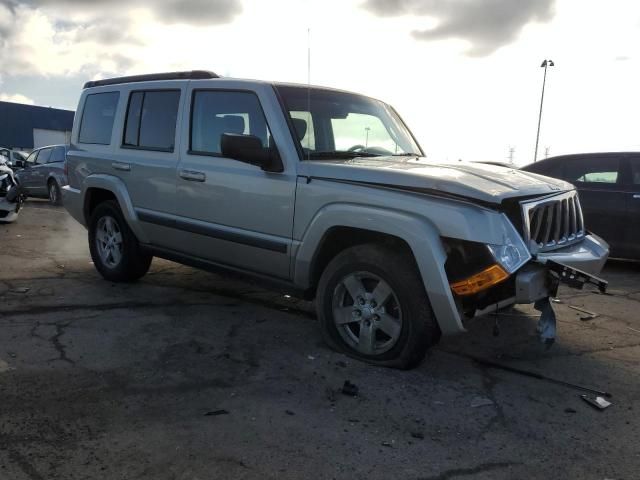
418, 232
117, 187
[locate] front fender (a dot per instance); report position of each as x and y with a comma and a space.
420, 234
116, 186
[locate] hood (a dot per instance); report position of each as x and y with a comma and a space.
482, 182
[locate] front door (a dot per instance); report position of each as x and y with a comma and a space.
27, 175
600, 186
230, 212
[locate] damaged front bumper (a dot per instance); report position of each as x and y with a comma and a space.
574, 265
8, 210
538, 280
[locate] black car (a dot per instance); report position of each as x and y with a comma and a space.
609, 189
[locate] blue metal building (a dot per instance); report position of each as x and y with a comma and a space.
25, 127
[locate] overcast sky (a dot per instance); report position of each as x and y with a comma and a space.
464, 74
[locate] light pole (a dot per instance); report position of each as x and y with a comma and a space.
545, 64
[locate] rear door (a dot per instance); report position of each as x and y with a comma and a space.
147, 155
599, 183
631, 247
39, 173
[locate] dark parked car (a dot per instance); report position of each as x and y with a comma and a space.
44, 174
609, 189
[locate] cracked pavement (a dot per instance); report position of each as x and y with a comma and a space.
103, 380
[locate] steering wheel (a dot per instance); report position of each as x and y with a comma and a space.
357, 147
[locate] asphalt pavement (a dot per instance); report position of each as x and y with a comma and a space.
189, 375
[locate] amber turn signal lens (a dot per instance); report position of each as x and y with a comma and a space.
480, 281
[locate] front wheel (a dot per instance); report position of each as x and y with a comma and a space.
114, 248
372, 305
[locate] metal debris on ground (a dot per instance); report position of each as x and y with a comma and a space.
596, 401
587, 315
547, 322
508, 368
555, 300
349, 389
215, 413
481, 402
388, 444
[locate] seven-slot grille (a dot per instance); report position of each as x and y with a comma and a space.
553, 222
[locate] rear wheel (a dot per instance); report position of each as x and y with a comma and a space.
55, 196
372, 306
114, 248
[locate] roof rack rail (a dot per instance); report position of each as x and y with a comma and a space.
191, 75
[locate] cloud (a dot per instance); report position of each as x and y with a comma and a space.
65, 37
105, 33
16, 98
196, 12
486, 24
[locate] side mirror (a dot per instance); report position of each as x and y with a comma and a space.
20, 164
249, 149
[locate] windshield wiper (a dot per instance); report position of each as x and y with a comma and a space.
340, 154
406, 155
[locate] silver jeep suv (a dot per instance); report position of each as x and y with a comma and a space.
325, 194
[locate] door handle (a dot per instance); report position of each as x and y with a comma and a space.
636, 195
192, 176
125, 167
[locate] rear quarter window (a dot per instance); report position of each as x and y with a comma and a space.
98, 115
594, 170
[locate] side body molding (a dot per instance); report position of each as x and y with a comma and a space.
421, 235
118, 188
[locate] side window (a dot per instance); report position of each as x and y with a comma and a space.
57, 155
303, 125
217, 112
32, 157
594, 170
97, 118
151, 120
43, 156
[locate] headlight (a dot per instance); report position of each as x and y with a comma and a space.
512, 253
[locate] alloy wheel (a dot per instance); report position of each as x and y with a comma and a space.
109, 241
367, 313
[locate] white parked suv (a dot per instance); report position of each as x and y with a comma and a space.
325, 194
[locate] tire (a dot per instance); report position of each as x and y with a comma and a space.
116, 255
396, 333
55, 195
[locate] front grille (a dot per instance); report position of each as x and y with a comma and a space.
553, 222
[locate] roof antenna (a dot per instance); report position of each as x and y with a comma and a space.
309, 93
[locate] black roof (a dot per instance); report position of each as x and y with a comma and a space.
589, 154
18, 120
